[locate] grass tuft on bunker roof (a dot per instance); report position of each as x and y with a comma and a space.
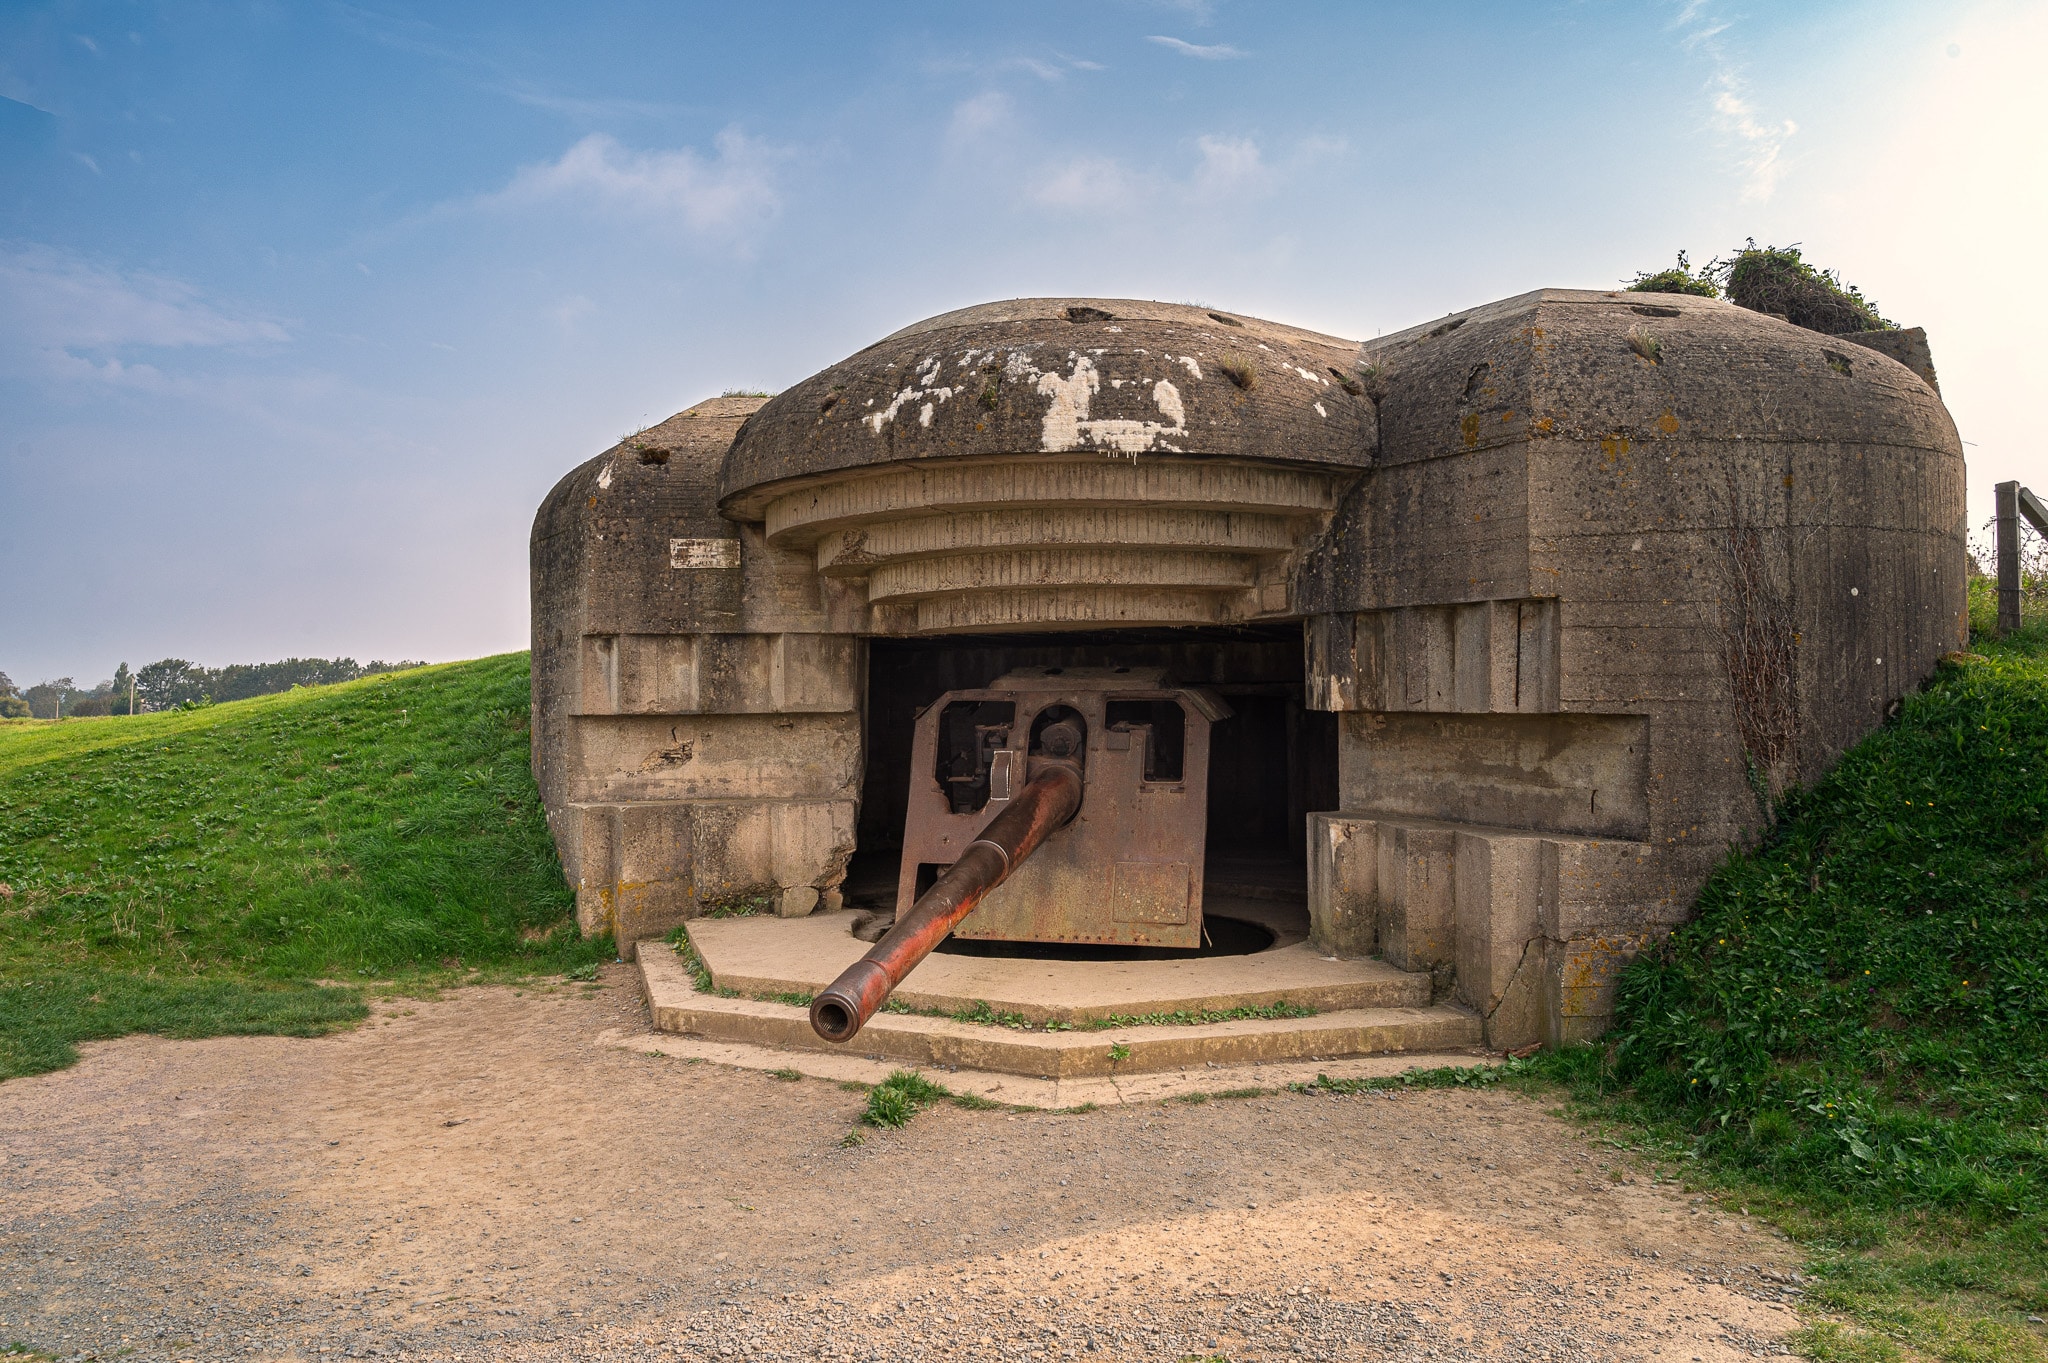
251, 867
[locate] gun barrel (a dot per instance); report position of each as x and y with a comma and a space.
1048, 801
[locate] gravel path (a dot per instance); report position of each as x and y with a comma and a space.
481, 1178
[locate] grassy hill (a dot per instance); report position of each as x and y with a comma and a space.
247, 867
1854, 1030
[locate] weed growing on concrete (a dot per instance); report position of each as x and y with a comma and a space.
1645, 345
1240, 370
787, 1076
1118, 1052
700, 974
738, 906
982, 1013
1779, 281
1680, 278
1197, 1017
1373, 379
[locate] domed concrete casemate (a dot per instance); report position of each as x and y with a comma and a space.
1057, 632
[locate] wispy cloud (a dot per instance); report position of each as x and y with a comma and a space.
1227, 170
975, 118
422, 39
1050, 67
570, 311
1764, 142
76, 317
74, 320
720, 194
1760, 141
1213, 52
1199, 12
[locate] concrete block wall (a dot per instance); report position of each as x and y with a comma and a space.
697, 696
1529, 617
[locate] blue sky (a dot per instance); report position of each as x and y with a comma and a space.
303, 307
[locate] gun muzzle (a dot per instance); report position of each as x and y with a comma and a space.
1049, 799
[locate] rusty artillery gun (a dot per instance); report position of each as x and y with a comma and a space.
1056, 805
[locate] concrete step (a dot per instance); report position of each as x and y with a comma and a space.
918, 1040
1017, 1090
762, 956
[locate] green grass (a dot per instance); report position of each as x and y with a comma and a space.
250, 867
1852, 1036
901, 1096
905, 1093
2033, 610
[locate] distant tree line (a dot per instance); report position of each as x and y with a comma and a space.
175, 683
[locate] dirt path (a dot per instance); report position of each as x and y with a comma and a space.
480, 1178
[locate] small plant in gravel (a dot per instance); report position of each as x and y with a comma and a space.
901, 1096
1442, 1077
974, 1102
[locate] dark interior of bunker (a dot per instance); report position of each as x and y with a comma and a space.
1271, 762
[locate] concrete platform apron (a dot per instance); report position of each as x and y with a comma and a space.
763, 956
911, 1039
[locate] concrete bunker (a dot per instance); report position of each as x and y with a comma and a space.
1511, 630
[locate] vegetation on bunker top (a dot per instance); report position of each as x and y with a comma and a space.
1777, 280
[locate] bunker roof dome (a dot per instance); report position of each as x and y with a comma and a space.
1063, 378
1629, 370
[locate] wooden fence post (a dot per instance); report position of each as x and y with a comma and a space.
2006, 517
2011, 502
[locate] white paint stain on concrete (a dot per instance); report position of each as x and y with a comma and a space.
1187, 362
1067, 425
904, 397
604, 476
1320, 411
